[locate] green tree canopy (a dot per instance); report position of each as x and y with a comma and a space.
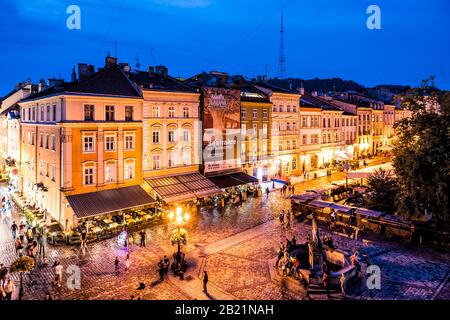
422, 153
384, 190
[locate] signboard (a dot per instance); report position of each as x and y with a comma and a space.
221, 125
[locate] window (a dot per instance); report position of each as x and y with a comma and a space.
156, 162
294, 144
305, 139
274, 109
41, 168
155, 136
34, 114
294, 108
29, 114
41, 140
88, 174
171, 112
47, 171
110, 171
255, 113
42, 114
265, 113
264, 129
48, 113
53, 142
155, 112
314, 139
172, 159
243, 129
129, 113
171, 136
129, 140
46, 141
280, 108
294, 163
243, 112
109, 113
130, 169
288, 108
54, 112
187, 157
89, 142
110, 142
288, 126
304, 122
288, 145
294, 126
186, 135
32, 138
185, 112
255, 129
52, 172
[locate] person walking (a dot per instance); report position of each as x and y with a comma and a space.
143, 236
116, 265
326, 283
41, 244
343, 281
58, 273
281, 217
205, 282
161, 270
8, 289
127, 262
19, 247
14, 228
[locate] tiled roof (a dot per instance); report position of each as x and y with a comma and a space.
159, 82
309, 100
106, 82
274, 88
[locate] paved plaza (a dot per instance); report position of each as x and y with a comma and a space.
235, 246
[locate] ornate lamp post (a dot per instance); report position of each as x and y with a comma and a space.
179, 219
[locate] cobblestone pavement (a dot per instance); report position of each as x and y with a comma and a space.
240, 269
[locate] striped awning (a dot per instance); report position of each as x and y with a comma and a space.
109, 201
181, 188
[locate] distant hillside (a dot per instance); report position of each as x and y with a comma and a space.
316, 84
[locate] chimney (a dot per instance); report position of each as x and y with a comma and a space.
301, 90
151, 71
73, 76
161, 71
41, 85
110, 62
314, 93
125, 67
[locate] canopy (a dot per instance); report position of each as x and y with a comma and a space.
232, 180
341, 208
109, 201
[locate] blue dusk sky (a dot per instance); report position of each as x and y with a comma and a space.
323, 38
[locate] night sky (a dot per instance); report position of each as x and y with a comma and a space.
323, 38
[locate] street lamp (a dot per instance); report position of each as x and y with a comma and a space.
179, 219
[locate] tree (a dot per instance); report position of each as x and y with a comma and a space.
179, 236
384, 189
422, 153
22, 264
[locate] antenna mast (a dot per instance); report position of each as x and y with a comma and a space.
282, 59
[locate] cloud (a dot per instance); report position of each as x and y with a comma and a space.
185, 3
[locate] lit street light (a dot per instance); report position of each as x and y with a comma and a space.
179, 219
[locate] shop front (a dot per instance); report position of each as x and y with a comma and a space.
103, 214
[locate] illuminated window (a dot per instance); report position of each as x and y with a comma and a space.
156, 161
187, 157
171, 135
185, 112
110, 171
172, 159
186, 135
129, 169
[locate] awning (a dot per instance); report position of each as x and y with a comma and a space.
109, 201
321, 204
341, 208
232, 180
303, 198
182, 188
369, 213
